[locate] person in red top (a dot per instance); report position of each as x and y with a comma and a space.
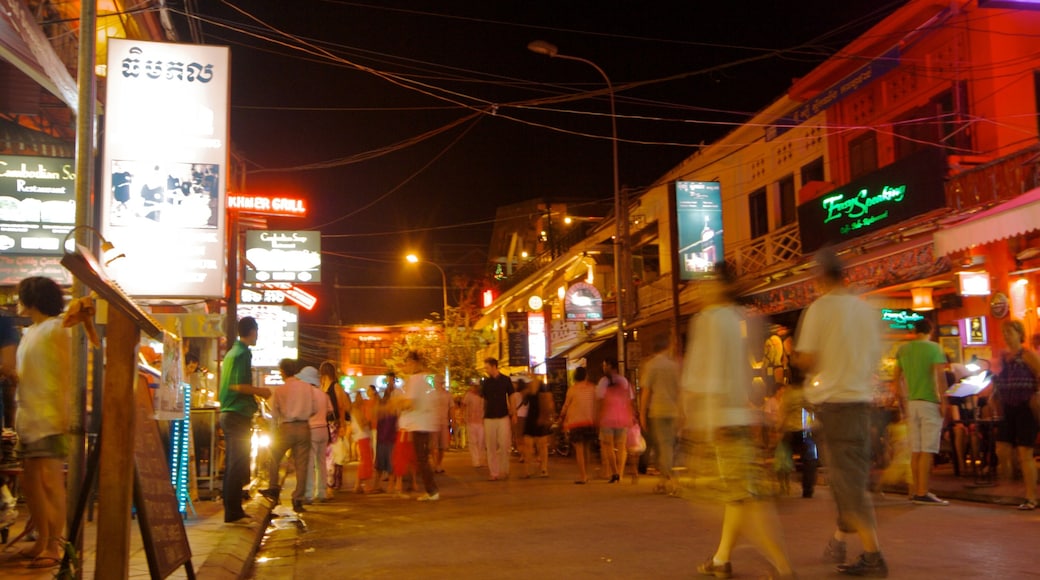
616, 415
578, 417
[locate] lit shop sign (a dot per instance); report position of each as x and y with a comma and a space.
294, 294
37, 204
698, 208
536, 344
283, 256
903, 190
165, 167
583, 302
974, 283
900, 319
974, 330
1011, 4
277, 334
261, 296
281, 206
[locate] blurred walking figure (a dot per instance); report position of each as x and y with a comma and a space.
442, 437
292, 407
537, 426
499, 414
578, 417
615, 416
839, 347
364, 419
338, 429
317, 468
717, 386
659, 409
386, 435
473, 410
419, 419
922, 364
1016, 386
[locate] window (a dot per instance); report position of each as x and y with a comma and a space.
936, 124
813, 171
355, 356
370, 356
862, 155
788, 201
758, 213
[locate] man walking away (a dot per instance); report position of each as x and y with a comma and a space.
473, 409
921, 375
840, 343
292, 406
237, 407
499, 415
659, 409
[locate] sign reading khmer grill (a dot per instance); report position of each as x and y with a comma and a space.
895, 193
165, 167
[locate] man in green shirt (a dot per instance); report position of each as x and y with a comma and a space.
921, 367
237, 407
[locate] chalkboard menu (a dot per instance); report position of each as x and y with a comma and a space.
556, 376
162, 529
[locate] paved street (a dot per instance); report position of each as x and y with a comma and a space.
551, 528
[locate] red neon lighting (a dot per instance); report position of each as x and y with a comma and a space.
286, 206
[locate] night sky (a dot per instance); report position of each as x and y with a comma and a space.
352, 85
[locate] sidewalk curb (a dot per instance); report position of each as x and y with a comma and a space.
962, 495
232, 558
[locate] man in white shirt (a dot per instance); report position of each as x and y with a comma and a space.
839, 346
292, 406
419, 418
659, 408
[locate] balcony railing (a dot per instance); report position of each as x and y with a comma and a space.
769, 251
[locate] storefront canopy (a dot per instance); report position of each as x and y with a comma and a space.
1011, 218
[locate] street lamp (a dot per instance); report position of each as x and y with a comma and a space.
550, 50
412, 258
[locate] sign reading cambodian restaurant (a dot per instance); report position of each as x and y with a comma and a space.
37, 204
283, 256
698, 208
165, 167
900, 319
895, 193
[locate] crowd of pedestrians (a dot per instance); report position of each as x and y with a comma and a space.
702, 412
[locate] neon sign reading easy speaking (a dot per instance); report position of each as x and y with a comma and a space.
857, 208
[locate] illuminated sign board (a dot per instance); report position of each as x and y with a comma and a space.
37, 210
974, 330
536, 344
900, 191
283, 256
277, 335
281, 206
165, 167
900, 319
698, 208
974, 283
261, 296
583, 302
1011, 4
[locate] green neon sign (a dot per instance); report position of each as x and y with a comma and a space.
900, 319
856, 210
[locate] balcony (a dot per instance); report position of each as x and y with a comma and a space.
772, 250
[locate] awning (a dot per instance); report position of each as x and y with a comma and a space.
1011, 218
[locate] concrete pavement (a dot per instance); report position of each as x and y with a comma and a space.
551, 528
586, 527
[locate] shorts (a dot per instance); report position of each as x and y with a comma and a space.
586, 434
925, 424
50, 447
1019, 426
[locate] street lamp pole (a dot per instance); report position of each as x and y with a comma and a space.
550, 50
412, 258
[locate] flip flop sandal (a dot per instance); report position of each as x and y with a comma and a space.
41, 562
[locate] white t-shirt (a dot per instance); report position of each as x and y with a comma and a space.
844, 334
422, 416
718, 368
44, 381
